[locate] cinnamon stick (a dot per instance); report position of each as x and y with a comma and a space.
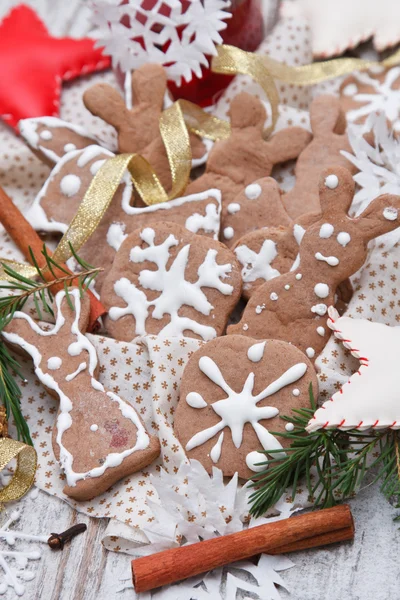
25, 237
297, 533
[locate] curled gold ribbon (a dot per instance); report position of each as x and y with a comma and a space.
21, 268
202, 123
23, 477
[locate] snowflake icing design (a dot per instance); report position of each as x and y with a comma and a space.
385, 99
175, 290
240, 408
172, 34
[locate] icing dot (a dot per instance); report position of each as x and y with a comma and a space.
228, 233
69, 147
310, 352
299, 276
289, 427
319, 309
70, 184
260, 308
287, 287
332, 261
94, 427
256, 352
245, 327
326, 230
321, 290
253, 191
343, 238
195, 400
331, 182
390, 213
54, 363
350, 89
46, 134
233, 208
274, 296
296, 392
321, 331
252, 458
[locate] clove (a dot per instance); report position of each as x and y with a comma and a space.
56, 541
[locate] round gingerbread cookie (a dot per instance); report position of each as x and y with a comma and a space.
233, 392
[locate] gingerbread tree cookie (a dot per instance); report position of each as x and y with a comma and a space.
168, 281
292, 307
98, 437
233, 392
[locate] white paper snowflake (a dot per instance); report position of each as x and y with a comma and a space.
15, 562
378, 164
174, 34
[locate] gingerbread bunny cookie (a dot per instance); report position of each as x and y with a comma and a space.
233, 392
98, 437
168, 281
328, 124
59, 199
245, 156
292, 307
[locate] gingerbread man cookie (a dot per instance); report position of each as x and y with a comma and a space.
292, 307
245, 156
59, 199
233, 392
328, 124
168, 281
98, 437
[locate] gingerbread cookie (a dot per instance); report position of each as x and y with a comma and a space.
328, 125
168, 281
245, 156
59, 199
233, 392
292, 307
377, 91
370, 399
98, 437
258, 205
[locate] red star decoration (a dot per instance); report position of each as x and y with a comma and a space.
33, 64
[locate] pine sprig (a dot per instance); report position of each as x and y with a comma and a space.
19, 290
333, 464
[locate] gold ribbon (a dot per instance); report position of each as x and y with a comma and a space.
22, 269
23, 477
202, 123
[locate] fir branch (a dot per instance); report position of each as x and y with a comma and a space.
20, 289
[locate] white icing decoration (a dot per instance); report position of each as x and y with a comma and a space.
252, 460
70, 185
54, 363
45, 134
257, 265
253, 191
96, 166
229, 232
332, 182
94, 427
196, 162
298, 233
289, 427
310, 352
326, 230
81, 367
319, 309
384, 99
239, 408
299, 276
69, 147
296, 392
233, 208
175, 290
343, 238
64, 420
216, 450
260, 308
370, 399
273, 296
332, 261
350, 89
245, 327
390, 213
287, 287
116, 236
321, 331
128, 89
209, 222
195, 400
321, 290
256, 351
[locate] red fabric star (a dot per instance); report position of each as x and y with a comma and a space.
33, 64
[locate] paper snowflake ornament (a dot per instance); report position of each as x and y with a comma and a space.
370, 399
175, 34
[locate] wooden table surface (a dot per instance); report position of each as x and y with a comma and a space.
368, 569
